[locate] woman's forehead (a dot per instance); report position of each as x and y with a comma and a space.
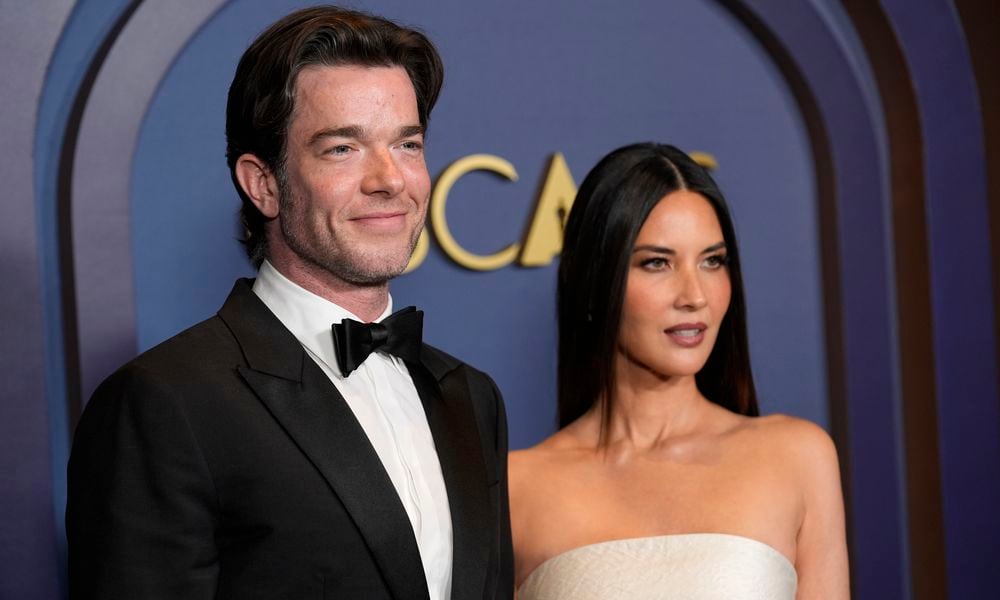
681, 217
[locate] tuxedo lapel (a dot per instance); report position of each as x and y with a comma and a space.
448, 405
313, 413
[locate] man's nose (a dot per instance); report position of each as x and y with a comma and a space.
382, 175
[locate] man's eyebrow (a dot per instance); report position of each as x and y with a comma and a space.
356, 132
348, 131
411, 130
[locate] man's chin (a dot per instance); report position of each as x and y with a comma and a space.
357, 262
371, 272
369, 277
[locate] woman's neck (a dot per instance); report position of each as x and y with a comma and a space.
649, 411
644, 416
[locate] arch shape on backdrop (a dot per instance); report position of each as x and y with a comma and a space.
962, 295
866, 304
916, 352
29, 509
497, 206
799, 37
102, 246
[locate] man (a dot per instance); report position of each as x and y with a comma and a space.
260, 454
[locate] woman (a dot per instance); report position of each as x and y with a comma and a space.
663, 482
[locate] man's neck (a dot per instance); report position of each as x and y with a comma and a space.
367, 302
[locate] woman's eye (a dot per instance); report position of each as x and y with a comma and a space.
716, 261
655, 264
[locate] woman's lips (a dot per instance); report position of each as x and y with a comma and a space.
687, 335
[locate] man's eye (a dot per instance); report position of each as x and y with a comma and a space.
411, 145
340, 150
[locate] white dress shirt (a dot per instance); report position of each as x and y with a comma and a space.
383, 398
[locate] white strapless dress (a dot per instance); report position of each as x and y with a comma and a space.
693, 566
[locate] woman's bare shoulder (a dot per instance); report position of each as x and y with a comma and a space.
806, 452
793, 433
541, 469
799, 445
553, 450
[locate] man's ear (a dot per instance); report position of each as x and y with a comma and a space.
258, 183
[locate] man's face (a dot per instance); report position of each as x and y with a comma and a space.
353, 195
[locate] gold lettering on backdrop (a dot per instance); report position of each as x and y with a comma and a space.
439, 222
704, 159
420, 252
543, 240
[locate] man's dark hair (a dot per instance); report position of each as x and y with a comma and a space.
614, 201
262, 95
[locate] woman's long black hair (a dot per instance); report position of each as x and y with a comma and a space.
610, 208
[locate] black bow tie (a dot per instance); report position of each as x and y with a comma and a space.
398, 334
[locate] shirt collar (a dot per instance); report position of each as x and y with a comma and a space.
309, 317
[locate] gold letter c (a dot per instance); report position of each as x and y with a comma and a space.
474, 162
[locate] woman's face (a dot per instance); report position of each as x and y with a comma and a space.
678, 288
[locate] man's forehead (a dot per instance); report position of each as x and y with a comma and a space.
322, 75
362, 98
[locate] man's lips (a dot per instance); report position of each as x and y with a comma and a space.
387, 220
379, 216
687, 335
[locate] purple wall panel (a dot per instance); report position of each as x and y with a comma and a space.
962, 289
29, 567
879, 552
101, 217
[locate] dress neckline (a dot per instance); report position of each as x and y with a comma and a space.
653, 538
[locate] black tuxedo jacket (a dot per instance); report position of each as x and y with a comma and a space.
224, 464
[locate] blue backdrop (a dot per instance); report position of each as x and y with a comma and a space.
122, 225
